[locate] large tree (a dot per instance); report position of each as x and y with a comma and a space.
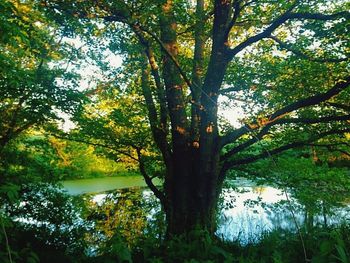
284, 62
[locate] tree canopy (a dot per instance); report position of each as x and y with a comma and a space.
284, 64
34, 83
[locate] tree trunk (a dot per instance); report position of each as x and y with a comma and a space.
192, 184
193, 204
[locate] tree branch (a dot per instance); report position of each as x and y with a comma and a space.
339, 106
313, 100
305, 56
155, 73
159, 194
311, 121
159, 134
319, 16
267, 153
237, 11
288, 15
121, 17
106, 146
310, 101
166, 51
265, 130
197, 70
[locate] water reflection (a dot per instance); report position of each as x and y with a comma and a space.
246, 218
257, 210
129, 214
246, 213
101, 223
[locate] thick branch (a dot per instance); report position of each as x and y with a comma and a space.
319, 16
155, 73
313, 100
174, 83
158, 133
268, 153
274, 25
311, 121
197, 70
172, 58
310, 101
288, 15
126, 18
237, 10
152, 112
265, 130
159, 194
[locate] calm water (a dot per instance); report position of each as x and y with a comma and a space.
97, 185
247, 211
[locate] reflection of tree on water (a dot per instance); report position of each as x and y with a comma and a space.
317, 193
259, 189
248, 213
45, 224
128, 220
127, 213
134, 214
308, 216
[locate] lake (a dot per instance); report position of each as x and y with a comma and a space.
97, 185
247, 211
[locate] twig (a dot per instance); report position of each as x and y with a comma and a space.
6, 240
290, 207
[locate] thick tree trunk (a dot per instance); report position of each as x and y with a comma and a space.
191, 185
193, 207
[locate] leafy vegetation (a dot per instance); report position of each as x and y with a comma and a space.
104, 88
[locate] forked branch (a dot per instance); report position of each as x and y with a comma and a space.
148, 179
288, 15
267, 153
279, 114
266, 129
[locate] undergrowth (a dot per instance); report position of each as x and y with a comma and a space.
323, 245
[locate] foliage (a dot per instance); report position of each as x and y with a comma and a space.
114, 122
36, 157
183, 62
322, 245
314, 184
34, 85
287, 71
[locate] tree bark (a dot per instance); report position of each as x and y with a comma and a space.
176, 181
